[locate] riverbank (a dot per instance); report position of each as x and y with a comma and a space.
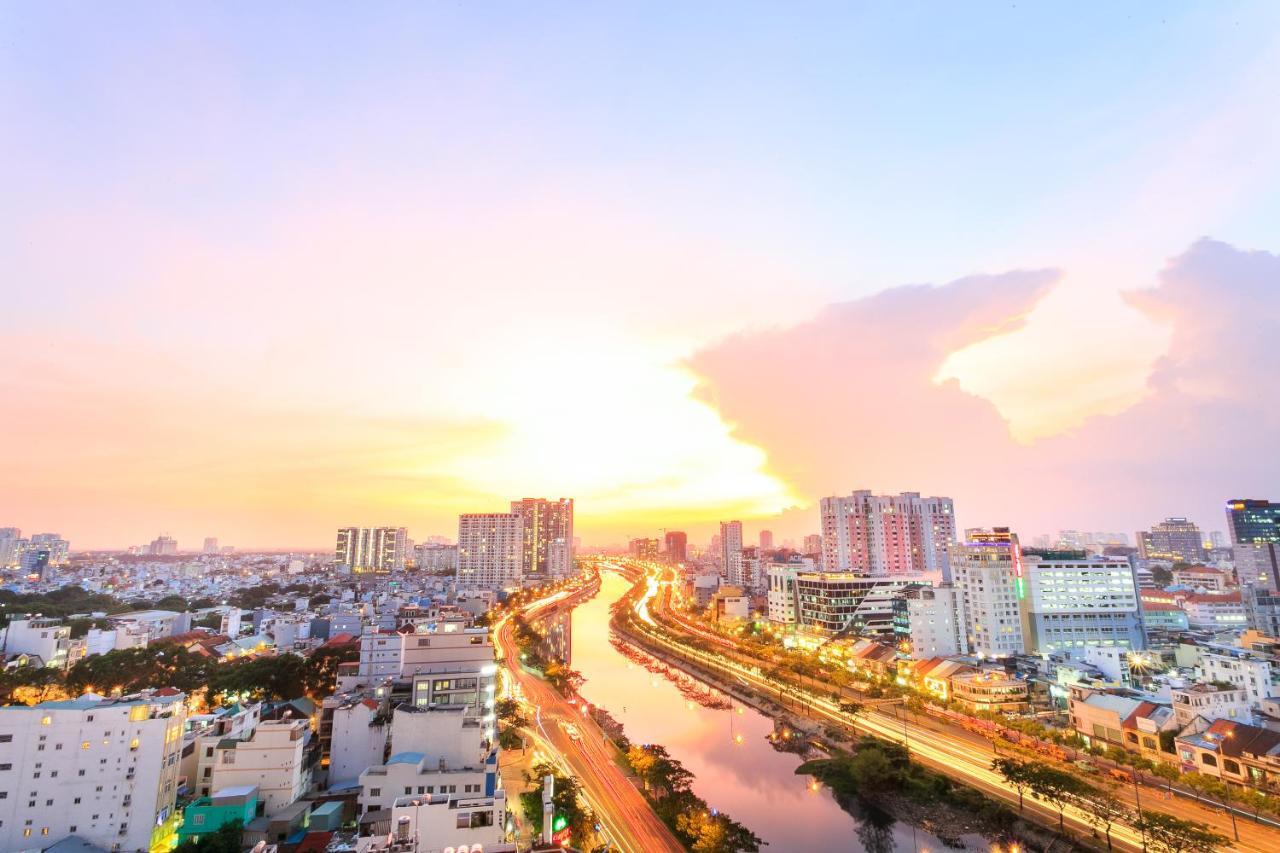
783, 706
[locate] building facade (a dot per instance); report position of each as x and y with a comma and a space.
372, 549
1175, 540
989, 574
490, 550
887, 534
546, 545
1074, 604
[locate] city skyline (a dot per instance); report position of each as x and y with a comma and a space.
269, 275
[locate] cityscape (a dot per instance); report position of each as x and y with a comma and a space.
714, 428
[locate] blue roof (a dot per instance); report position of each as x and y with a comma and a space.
327, 808
407, 758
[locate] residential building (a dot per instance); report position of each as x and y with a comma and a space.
163, 546
105, 770
271, 758
354, 732
206, 815
766, 540
782, 593
437, 750
37, 636
1253, 673
432, 557
887, 534
204, 733
1073, 604
546, 545
1202, 578
929, 620
643, 549
1216, 612
813, 545
59, 549
490, 550
438, 822
210, 545
1210, 702
1234, 751
1175, 540
372, 549
989, 574
35, 561
731, 551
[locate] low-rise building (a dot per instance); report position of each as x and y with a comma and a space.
990, 690
271, 758
206, 815
1210, 702
40, 637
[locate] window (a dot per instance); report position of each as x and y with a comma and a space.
197, 820
6, 738
375, 792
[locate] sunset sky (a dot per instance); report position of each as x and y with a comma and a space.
268, 270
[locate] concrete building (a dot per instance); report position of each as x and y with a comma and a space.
643, 548
546, 545
1210, 702
1174, 540
1221, 612
1073, 604
204, 733
1255, 674
887, 534
766, 540
105, 770
438, 750
372, 549
930, 621
47, 639
1202, 579
731, 551
490, 550
271, 758
206, 815
163, 546
676, 545
989, 574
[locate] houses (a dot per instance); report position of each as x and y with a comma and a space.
1234, 752
1210, 702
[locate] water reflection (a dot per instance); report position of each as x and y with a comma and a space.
743, 776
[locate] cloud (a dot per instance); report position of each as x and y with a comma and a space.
846, 401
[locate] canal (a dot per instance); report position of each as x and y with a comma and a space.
749, 780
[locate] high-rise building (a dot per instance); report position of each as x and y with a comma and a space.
887, 534
677, 545
1174, 539
372, 549
813, 544
490, 550
547, 547
989, 573
643, 549
731, 550
210, 545
766, 540
11, 547
59, 548
163, 546
1073, 604
114, 784
1254, 528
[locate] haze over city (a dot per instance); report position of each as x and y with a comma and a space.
269, 272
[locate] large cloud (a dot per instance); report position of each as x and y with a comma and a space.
847, 401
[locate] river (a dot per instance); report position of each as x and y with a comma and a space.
751, 781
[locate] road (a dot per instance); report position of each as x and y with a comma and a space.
629, 822
952, 752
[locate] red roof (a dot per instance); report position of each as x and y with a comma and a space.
1159, 605
314, 842
343, 639
1215, 598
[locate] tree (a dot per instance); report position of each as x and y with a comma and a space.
1169, 773
320, 673
715, 833
131, 670
225, 839
658, 770
1016, 773
1168, 834
566, 801
1102, 809
275, 678
1057, 787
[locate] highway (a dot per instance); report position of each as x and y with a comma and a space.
952, 753
628, 820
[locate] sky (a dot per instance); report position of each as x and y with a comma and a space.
270, 271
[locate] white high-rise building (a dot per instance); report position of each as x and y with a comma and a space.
490, 550
105, 770
372, 549
11, 547
887, 534
990, 577
547, 546
731, 551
